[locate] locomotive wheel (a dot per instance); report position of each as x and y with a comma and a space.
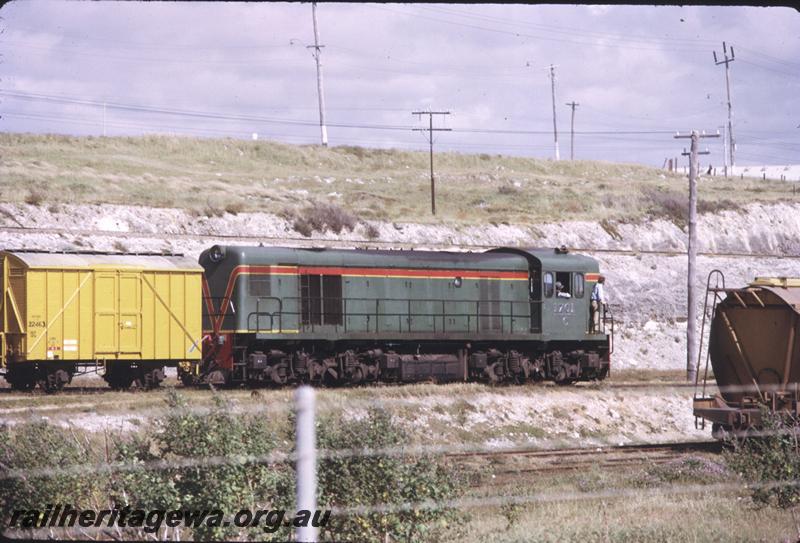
492, 374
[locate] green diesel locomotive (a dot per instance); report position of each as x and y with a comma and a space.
275, 315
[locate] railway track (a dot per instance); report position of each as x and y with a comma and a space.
102, 388
307, 242
509, 465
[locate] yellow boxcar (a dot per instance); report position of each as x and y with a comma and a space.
129, 315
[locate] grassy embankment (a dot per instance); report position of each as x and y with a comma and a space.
214, 176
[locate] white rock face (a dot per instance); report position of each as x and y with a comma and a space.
647, 291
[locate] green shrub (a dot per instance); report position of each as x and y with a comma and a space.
40, 452
368, 480
770, 462
238, 481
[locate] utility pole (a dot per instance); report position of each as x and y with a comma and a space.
727, 62
430, 131
573, 105
317, 49
553, 92
104, 119
692, 358
725, 150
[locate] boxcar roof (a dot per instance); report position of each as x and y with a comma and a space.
115, 261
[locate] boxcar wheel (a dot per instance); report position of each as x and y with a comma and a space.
149, 379
119, 379
54, 380
22, 379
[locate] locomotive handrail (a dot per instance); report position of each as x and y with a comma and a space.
608, 317
409, 315
258, 313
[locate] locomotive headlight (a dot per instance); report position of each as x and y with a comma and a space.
216, 253
457, 282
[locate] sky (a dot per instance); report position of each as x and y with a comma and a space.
639, 74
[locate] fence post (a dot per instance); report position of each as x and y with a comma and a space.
306, 460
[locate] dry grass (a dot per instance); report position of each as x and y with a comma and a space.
639, 515
371, 184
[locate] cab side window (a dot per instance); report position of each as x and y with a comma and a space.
578, 287
548, 284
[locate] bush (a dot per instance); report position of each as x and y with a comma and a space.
371, 231
715, 206
238, 482
770, 462
47, 449
320, 217
234, 208
508, 190
386, 480
213, 211
670, 205
34, 198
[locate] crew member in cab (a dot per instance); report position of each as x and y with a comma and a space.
598, 304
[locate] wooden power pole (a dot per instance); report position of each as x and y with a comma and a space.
692, 358
430, 130
317, 48
727, 62
573, 105
553, 93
